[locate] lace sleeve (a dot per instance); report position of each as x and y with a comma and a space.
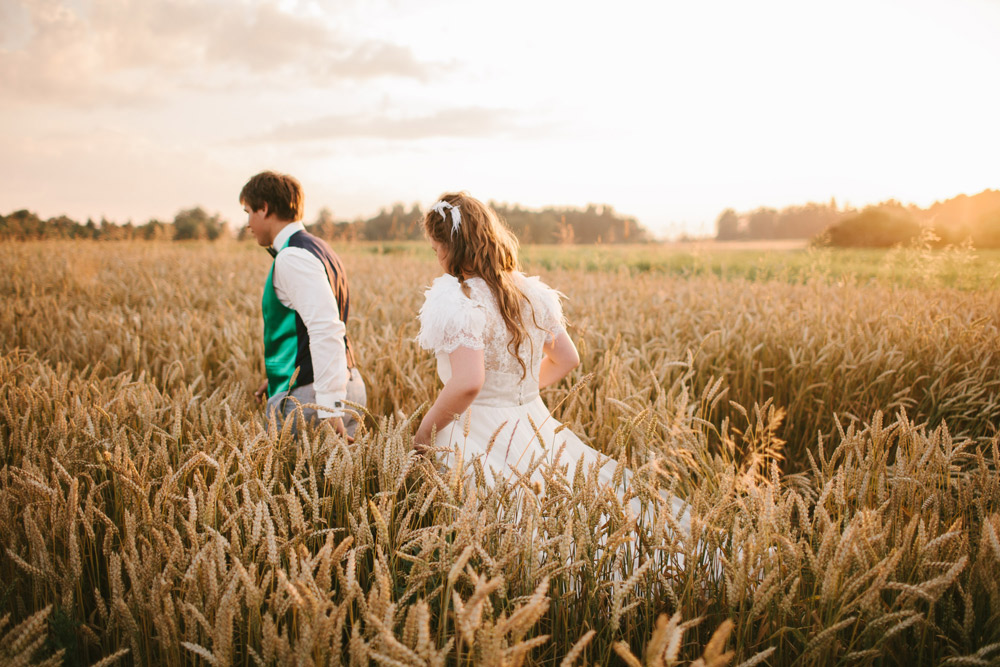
548, 306
449, 319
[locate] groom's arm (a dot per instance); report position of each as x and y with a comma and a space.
301, 278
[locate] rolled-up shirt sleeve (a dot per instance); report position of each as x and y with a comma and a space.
301, 283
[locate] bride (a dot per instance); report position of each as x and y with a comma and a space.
499, 337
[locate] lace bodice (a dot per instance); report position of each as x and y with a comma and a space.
450, 319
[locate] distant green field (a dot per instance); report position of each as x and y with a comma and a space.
910, 267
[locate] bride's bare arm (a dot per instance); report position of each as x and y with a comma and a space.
560, 358
468, 372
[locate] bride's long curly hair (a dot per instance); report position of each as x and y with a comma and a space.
483, 246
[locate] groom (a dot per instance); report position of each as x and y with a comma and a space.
307, 353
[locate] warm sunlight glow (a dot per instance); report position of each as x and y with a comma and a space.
670, 112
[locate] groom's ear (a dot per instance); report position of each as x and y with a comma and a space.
263, 207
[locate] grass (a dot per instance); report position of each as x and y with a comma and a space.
835, 437
917, 266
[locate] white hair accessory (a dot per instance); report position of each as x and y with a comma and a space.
442, 207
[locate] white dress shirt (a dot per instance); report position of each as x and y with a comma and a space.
300, 283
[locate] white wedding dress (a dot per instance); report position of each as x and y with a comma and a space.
508, 425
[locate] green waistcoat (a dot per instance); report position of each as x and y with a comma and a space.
281, 343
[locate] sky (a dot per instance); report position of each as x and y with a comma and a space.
668, 111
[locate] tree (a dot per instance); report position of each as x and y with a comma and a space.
325, 226
988, 232
23, 225
873, 228
196, 224
727, 226
763, 223
154, 230
565, 232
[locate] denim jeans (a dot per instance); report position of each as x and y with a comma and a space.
284, 403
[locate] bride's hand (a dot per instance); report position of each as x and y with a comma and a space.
421, 442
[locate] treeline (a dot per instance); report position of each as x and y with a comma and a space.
594, 224
963, 219
960, 220
188, 224
793, 222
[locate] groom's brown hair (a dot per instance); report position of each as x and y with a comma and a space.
282, 194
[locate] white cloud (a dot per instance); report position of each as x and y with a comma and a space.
129, 51
670, 111
466, 122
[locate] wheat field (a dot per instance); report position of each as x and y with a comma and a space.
837, 443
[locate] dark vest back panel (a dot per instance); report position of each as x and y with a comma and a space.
337, 276
286, 338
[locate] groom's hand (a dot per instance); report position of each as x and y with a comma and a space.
337, 424
261, 393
